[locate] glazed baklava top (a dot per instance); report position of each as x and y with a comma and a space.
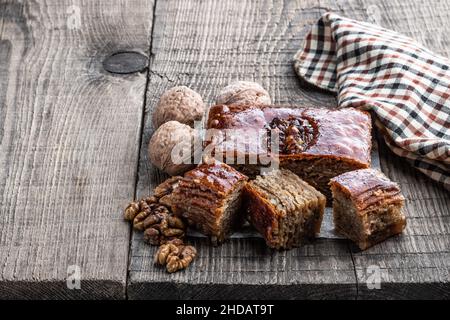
216, 176
303, 132
368, 188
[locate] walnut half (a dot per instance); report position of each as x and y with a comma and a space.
157, 221
175, 255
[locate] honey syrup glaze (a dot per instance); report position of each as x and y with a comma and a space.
337, 133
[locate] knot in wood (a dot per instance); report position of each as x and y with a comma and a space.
125, 62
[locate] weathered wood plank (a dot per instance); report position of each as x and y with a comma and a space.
417, 264
205, 45
70, 137
247, 269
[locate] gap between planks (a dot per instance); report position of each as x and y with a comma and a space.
163, 76
141, 134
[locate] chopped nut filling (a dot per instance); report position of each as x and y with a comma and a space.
295, 134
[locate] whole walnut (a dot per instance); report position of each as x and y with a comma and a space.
243, 92
171, 148
179, 104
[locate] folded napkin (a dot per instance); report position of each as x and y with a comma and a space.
406, 86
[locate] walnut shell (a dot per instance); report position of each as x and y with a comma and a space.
173, 134
179, 104
243, 92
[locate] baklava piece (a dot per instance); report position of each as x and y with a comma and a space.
209, 198
367, 207
316, 144
286, 210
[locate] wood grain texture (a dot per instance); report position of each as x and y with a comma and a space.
417, 264
246, 269
205, 45
70, 137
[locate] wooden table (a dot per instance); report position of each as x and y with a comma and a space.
73, 149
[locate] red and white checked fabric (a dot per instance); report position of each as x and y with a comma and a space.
406, 86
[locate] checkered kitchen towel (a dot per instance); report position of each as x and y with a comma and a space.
405, 85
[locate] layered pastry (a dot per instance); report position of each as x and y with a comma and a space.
286, 210
367, 207
209, 198
316, 144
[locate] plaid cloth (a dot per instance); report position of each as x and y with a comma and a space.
406, 86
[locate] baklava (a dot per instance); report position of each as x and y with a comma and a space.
209, 198
367, 207
316, 144
286, 210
